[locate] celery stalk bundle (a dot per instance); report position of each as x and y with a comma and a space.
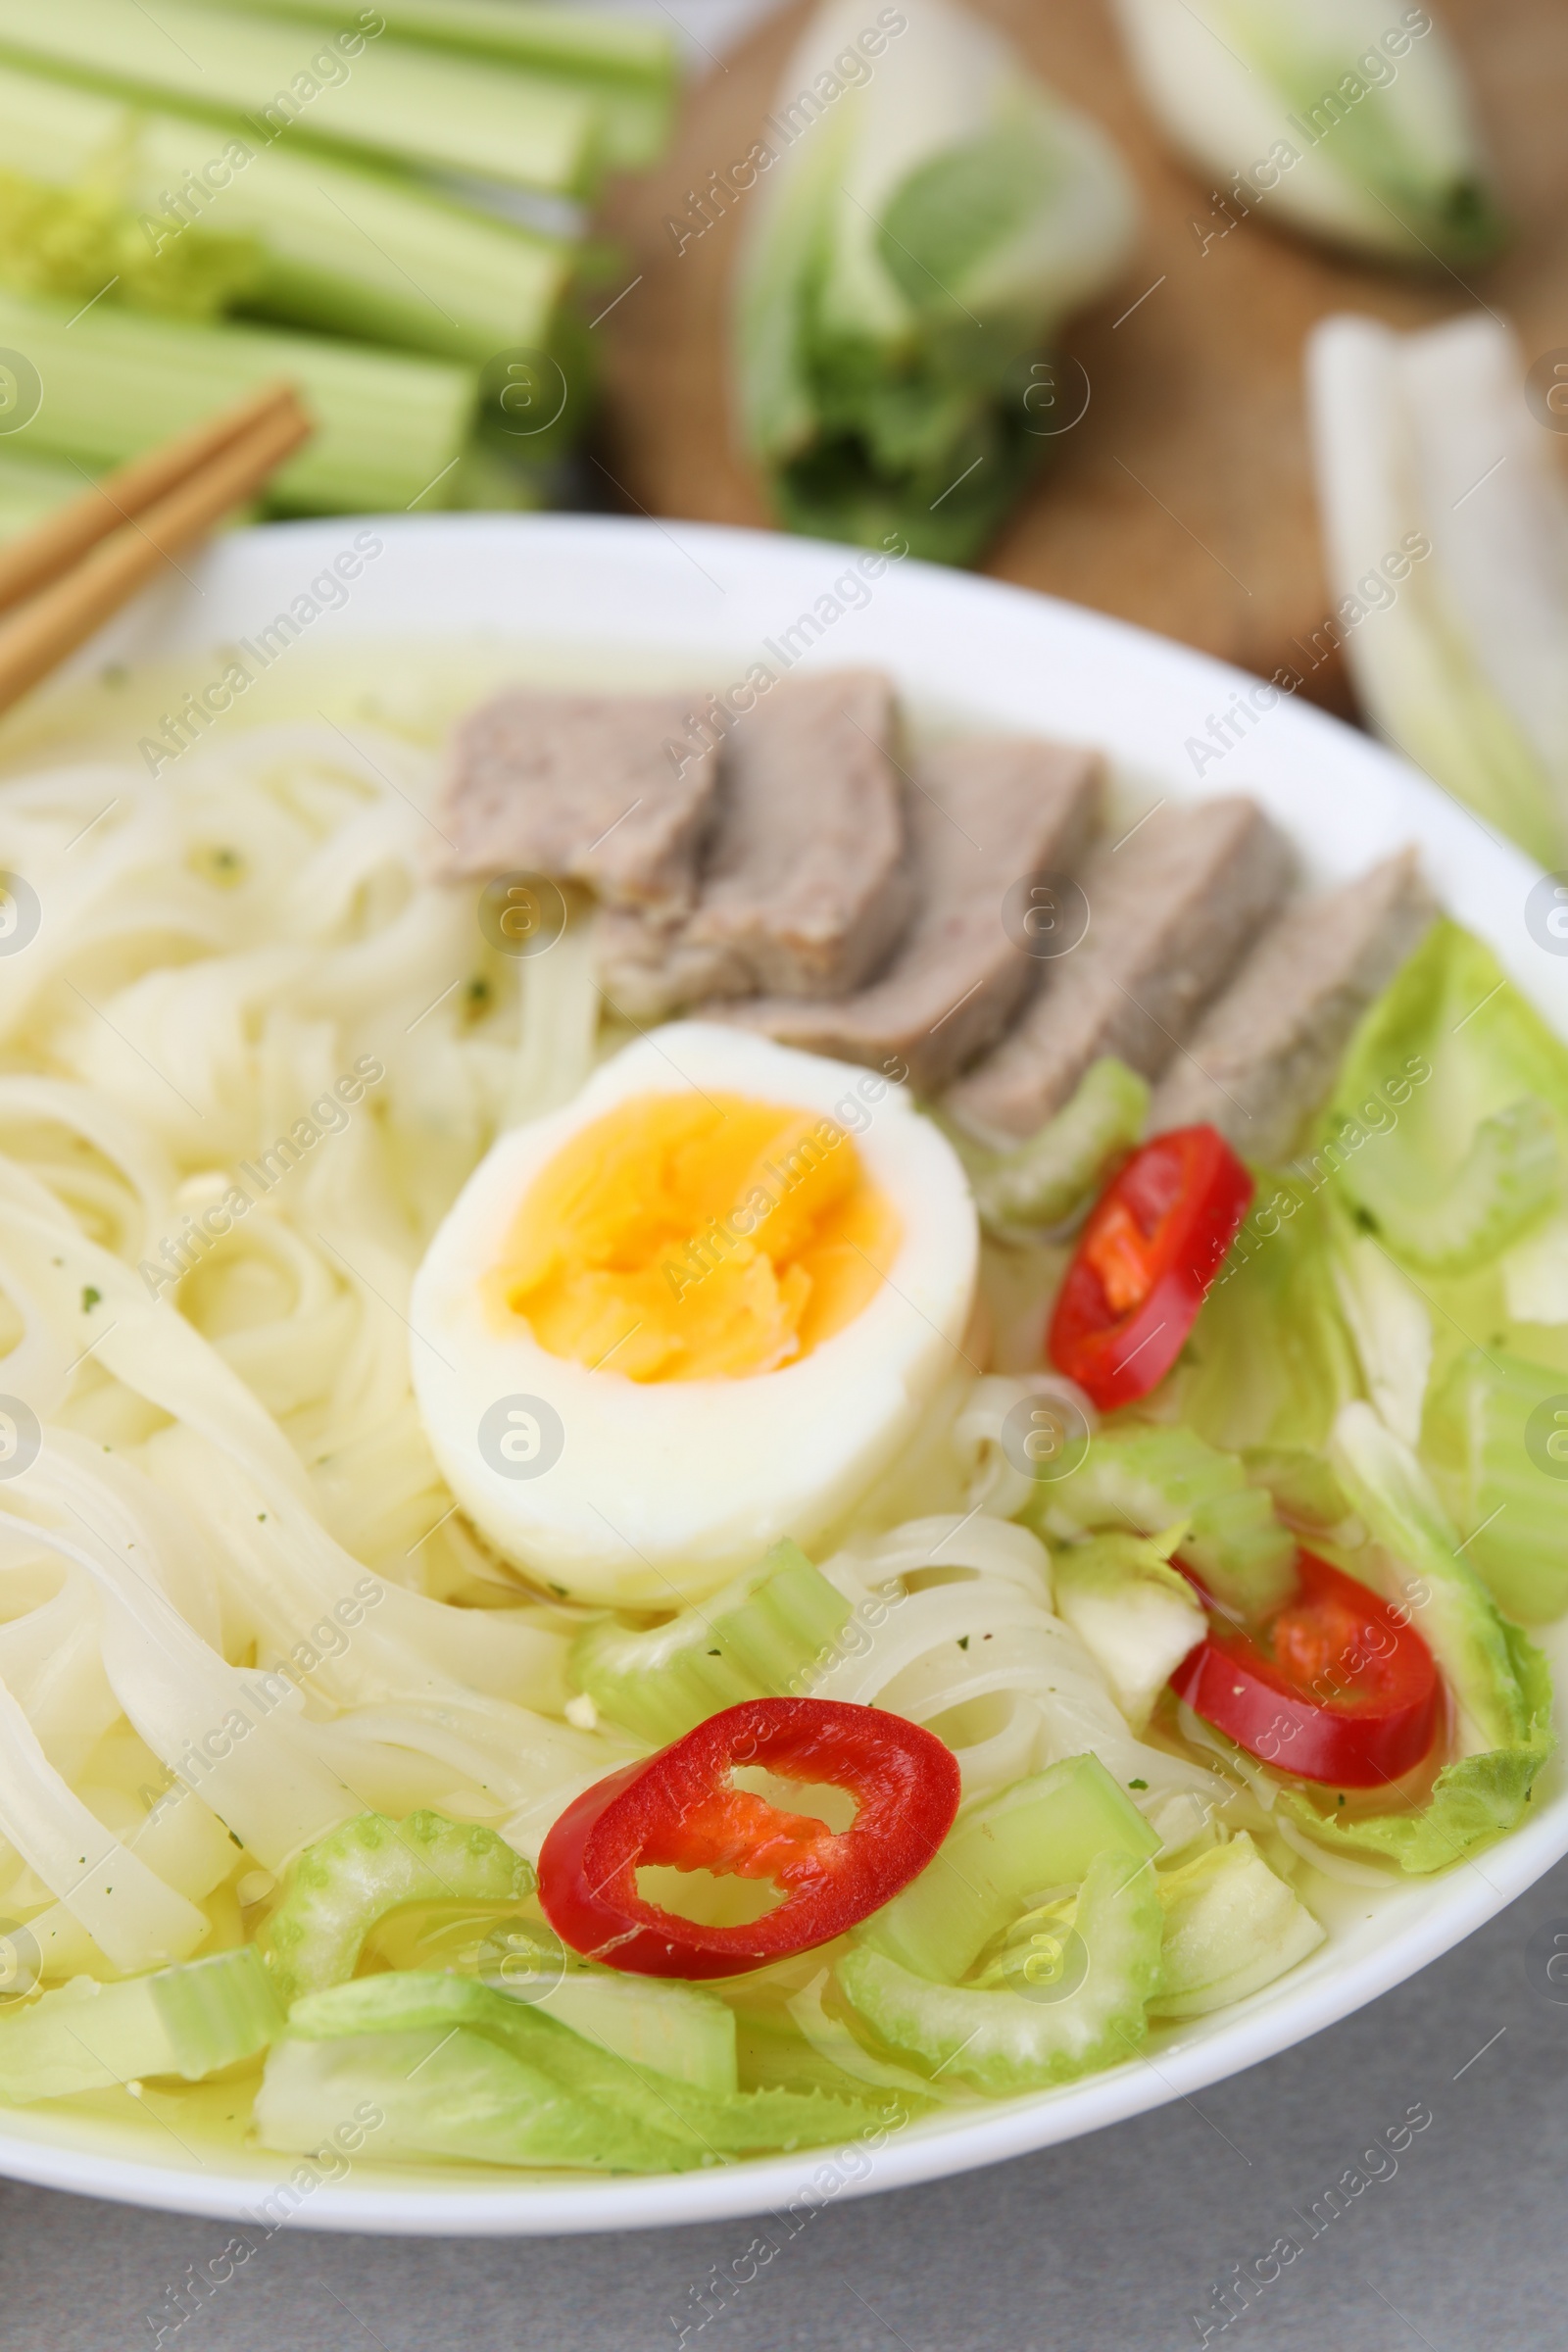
269, 161
926, 218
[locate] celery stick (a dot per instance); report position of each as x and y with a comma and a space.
180, 2020
336, 245
31, 488
627, 64
390, 97
115, 381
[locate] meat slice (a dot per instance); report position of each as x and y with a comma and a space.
806, 883
1265, 1052
1173, 909
583, 787
982, 814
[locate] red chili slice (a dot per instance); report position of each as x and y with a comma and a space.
681, 1807
1145, 1261
1333, 1687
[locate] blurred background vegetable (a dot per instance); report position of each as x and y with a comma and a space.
928, 215
392, 183
1462, 664
1352, 121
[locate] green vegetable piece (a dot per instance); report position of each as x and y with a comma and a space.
1446, 1128
1270, 1359
1496, 1677
1042, 1833
305, 238
1231, 1927
906, 271
1004, 2041
1148, 1477
658, 2024
1137, 1616
572, 2095
356, 1874
186, 2020
759, 1638
1043, 1181
1302, 1486
391, 100
1474, 1437
118, 380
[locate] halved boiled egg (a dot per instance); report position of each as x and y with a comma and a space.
699, 1308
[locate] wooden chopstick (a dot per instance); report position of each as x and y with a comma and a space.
62, 538
194, 481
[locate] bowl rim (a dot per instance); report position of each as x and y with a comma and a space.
1007, 651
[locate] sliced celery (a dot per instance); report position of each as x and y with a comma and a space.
1231, 1927
1044, 1180
756, 1638
1005, 2041
444, 2091
1508, 1179
391, 97
388, 427
566, 2077
351, 1878
1513, 1509
661, 2025
184, 2021
342, 246
1042, 1833
1147, 1477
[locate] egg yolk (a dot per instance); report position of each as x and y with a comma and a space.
697, 1237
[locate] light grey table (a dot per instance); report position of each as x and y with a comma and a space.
1107, 2245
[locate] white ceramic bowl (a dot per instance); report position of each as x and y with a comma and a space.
687, 600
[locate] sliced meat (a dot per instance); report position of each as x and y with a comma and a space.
982, 814
1173, 909
1265, 1052
806, 884
588, 788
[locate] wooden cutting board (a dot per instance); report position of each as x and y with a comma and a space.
1184, 498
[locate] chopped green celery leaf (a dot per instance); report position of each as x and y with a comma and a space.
1005, 2041
1042, 1831
1149, 1476
1137, 1616
1232, 1926
1304, 1490
1043, 1181
759, 1638
391, 98
351, 1878
102, 195
711, 2125
1270, 1359
186, 2020
1473, 1801
628, 65
1503, 1488
656, 2022
1449, 1118
388, 427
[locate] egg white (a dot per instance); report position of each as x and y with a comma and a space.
663, 1490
